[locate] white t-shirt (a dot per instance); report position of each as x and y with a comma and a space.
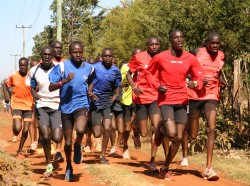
41, 81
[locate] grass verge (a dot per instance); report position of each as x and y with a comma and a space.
235, 168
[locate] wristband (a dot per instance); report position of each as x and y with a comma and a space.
60, 83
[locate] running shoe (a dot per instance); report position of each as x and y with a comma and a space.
87, 149
58, 157
77, 153
33, 146
14, 140
49, 171
126, 154
137, 141
104, 161
69, 174
20, 156
166, 174
118, 151
158, 135
210, 175
152, 167
184, 162
112, 151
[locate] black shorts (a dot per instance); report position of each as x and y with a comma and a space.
145, 110
51, 117
177, 113
26, 115
68, 120
199, 105
128, 112
118, 114
98, 114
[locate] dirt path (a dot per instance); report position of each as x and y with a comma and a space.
184, 176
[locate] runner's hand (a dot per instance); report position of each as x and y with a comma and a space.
162, 89
137, 91
70, 77
192, 84
94, 97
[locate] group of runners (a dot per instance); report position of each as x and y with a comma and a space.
170, 88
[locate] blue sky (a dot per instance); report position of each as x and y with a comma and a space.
34, 13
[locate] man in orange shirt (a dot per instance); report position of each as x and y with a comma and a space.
144, 95
21, 103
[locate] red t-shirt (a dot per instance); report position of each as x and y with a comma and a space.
211, 70
21, 98
138, 66
172, 72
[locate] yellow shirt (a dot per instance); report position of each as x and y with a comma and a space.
127, 90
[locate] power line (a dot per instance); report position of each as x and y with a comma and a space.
28, 12
36, 19
21, 12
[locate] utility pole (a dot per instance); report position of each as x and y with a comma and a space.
23, 27
15, 59
59, 21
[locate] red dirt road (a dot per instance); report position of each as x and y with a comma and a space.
190, 176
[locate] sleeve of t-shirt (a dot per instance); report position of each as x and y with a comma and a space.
151, 70
56, 74
30, 79
8, 82
124, 71
92, 76
133, 65
118, 78
196, 72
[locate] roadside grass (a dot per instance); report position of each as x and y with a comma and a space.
236, 168
116, 176
14, 171
234, 164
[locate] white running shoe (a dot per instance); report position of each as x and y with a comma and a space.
112, 151
33, 146
126, 155
184, 162
210, 175
87, 149
14, 140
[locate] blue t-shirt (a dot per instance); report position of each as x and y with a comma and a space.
74, 94
105, 82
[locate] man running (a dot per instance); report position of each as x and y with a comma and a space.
128, 109
21, 103
56, 59
206, 99
47, 104
105, 91
72, 77
172, 66
145, 96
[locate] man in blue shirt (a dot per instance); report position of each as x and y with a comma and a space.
104, 90
73, 77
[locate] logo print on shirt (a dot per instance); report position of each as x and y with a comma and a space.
85, 77
145, 66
